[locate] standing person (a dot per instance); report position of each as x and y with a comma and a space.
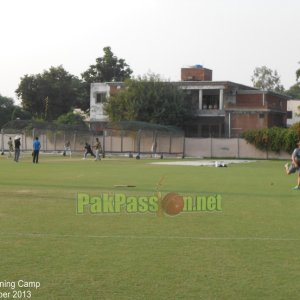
36, 145
295, 165
10, 147
68, 148
17, 148
98, 148
153, 149
88, 150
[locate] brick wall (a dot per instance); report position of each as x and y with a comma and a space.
249, 120
277, 103
196, 74
248, 101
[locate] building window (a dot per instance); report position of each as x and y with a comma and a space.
100, 97
210, 102
289, 114
261, 116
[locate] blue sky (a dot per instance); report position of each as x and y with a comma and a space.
228, 36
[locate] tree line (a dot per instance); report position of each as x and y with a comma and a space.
53, 94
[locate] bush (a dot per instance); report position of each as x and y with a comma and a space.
275, 139
71, 119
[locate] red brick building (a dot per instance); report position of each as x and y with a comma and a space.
197, 73
221, 108
226, 109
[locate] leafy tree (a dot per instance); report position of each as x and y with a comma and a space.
298, 74
107, 68
294, 91
49, 94
148, 99
6, 109
71, 118
267, 79
82, 99
9, 111
20, 113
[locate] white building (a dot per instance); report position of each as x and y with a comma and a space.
293, 112
98, 93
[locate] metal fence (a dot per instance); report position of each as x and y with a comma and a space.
143, 142
51, 141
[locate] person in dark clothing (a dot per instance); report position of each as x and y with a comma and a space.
88, 150
295, 165
17, 148
36, 145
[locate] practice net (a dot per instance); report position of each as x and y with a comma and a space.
130, 138
141, 138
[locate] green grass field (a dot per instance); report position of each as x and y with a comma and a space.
249, 250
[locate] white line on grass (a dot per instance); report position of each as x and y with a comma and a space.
53, 235
202, 163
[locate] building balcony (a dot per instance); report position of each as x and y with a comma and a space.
210, 112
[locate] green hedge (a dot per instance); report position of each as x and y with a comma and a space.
274, 139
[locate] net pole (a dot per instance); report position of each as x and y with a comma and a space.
22, 142
154, 143
74, 141
139, 141
2, 140
65, 139
170, 144
25, 140
55, 141
46, 140
103, 143
122, 135
111, 144
183, 147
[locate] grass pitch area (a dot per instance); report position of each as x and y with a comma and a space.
249, 250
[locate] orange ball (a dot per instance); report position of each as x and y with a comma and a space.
172, 204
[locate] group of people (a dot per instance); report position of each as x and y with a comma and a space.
36, 145
88, 150
14, 147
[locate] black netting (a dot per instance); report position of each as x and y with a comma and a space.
128, 137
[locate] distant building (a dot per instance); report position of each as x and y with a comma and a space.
99, 92
221, 108
293, 112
